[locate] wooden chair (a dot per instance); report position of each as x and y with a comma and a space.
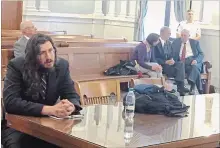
158, 81
98, 91
7, 55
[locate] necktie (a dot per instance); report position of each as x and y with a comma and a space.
183, 56
165, 49
43, 85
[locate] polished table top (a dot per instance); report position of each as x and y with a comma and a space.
104, 125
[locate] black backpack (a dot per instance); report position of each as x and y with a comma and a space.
159, 101
123, 68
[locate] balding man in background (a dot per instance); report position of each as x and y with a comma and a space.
164, 57
28, 29
188, 51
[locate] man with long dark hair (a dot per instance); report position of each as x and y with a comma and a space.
32, 86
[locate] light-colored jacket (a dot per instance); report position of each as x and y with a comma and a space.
19, 46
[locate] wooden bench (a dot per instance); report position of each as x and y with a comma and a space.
89, 63
7, 54
10, 38
11, 33
70, 37
7, 44
94, 44
18, 33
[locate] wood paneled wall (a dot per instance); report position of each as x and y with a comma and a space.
11, 14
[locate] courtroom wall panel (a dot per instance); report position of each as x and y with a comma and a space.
11, 14
210, 45
74, 6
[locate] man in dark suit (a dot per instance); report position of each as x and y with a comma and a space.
164, 56
189, 51
32, 87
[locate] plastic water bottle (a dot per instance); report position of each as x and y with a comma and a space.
128, 130
130, 104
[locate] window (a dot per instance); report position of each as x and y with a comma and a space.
173, 21
155, 16
197, 8
206, 12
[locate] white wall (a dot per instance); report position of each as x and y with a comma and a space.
74, 6
117, 24
210, 45
83, 17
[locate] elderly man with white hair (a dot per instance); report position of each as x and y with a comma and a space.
188, 51
28, 29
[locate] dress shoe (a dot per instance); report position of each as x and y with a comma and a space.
181, 87
185, 89
182, 93
192, 92
201, 92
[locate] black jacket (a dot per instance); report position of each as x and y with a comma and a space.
16, 100
162, 54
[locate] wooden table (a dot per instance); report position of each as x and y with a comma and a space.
104, 126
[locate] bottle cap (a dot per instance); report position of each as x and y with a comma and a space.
131, 89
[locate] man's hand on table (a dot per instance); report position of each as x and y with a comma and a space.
62, 109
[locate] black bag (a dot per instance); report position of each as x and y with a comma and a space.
159, 102
123, 68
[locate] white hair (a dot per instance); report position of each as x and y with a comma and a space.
24, 24
185, 31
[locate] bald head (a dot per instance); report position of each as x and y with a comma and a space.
185, 34
27, 28
165, 33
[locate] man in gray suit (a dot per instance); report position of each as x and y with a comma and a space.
188, 51
28, 29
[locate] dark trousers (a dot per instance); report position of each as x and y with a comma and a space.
14, 139
193, 73
177, 71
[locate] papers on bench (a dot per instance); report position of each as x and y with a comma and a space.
75, 117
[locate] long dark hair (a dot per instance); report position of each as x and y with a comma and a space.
32, 63
151, 38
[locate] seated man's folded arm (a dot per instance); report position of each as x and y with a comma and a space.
199, 58
13, 102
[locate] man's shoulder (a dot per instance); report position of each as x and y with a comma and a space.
177, 40
21, 40
62, 63
141, 45
183, 22
192, 41
17, 62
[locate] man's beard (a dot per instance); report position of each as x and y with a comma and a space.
44, 69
